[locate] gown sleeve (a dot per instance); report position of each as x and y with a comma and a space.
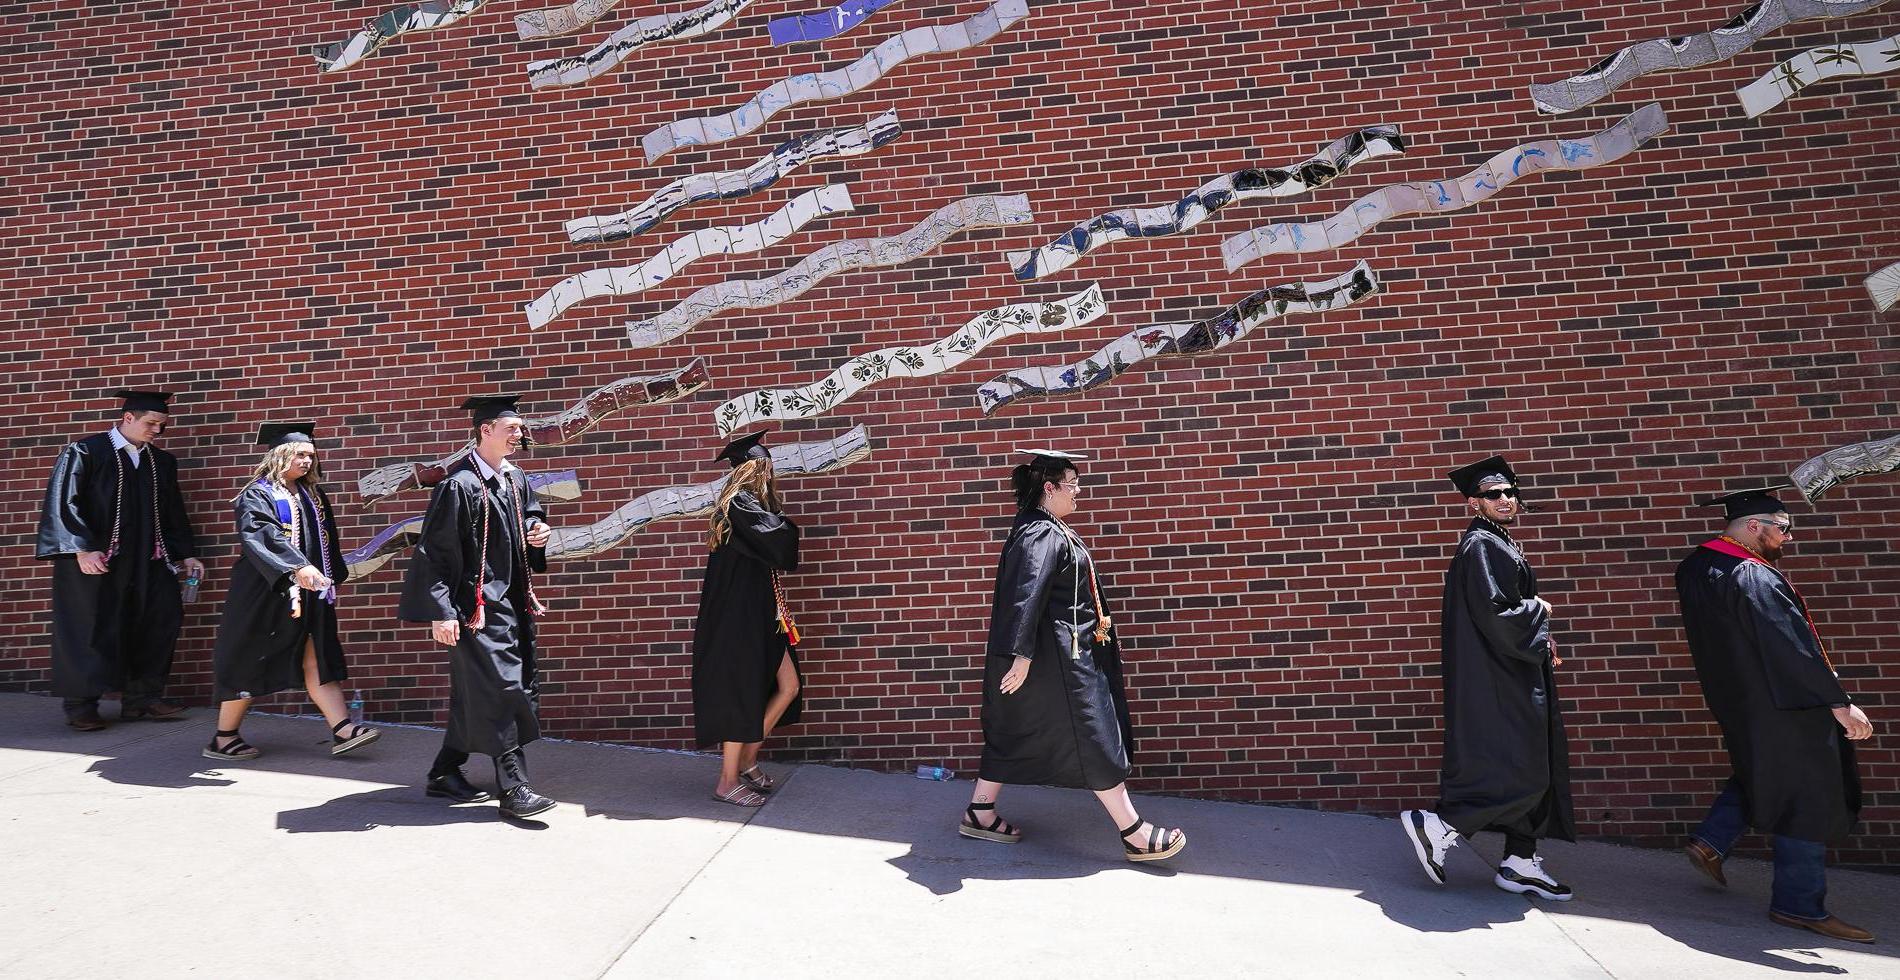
63, 529
339, 569
180, 540
1022, 587
261, 537
537, 511
428, 588
1513, 624
1798, 676
769, 537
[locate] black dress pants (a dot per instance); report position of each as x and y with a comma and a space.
511, 768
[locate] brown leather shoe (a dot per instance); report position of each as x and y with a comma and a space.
153, 711
1706, 861
1832, 927
86, 720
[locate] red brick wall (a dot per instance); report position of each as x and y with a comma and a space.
189, 204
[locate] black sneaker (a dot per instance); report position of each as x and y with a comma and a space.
1526, 876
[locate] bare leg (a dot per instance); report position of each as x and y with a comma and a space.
774, 709
230, 716
986, 792
327, 697
729, 755
1121, 809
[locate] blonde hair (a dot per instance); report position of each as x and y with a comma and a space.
276, 463
754, 475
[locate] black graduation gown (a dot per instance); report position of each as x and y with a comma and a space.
117, 631
1770, 689
737, 646
1507, 763
260, 645
493, 692
1068, 724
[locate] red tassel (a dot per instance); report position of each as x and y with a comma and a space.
475, 621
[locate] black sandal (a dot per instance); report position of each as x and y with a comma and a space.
1000, 831
236, 750
1156, 834
360, 736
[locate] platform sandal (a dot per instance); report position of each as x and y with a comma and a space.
1156, 834
758, 780
236, 750
972, 826
360, 735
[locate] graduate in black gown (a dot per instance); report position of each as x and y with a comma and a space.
115, 531
1054, 712
745, 670
471, 580
1506, 763
279, 629
1788, 726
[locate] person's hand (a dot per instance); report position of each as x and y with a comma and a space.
311, 578
92, 562
1014, 677
194, 568
1543, 602
538, 534
446, 631
1855, 721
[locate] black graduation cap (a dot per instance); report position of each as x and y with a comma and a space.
743, 449
1054, 457
1749, 503
486, 408
1468, 478
144, 401
275, 434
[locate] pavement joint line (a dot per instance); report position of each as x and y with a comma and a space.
1557, 923
613, 961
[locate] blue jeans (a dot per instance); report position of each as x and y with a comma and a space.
1800, 865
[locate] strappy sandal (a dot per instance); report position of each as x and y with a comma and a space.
360, 735
1155, 851
236, 750
740, 795
758, 780
972, 826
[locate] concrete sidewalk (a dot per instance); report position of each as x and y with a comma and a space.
127, 854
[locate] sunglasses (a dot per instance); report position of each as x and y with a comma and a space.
1510, 492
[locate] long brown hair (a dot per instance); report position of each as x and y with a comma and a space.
754, 475
276, 463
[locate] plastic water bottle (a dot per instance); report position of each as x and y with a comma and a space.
937, 773
189, 591
356, 710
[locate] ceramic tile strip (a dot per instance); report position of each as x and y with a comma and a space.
1178, 339
865, 370
845, 256
1440, 196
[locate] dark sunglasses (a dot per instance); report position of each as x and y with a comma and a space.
1510, 492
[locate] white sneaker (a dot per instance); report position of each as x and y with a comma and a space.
1526, 876
1431, 839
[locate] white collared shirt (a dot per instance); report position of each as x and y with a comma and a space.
121, 442
488, 472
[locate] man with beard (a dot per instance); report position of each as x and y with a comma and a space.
471, 581
1788, 727
1506, 764
115, 529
